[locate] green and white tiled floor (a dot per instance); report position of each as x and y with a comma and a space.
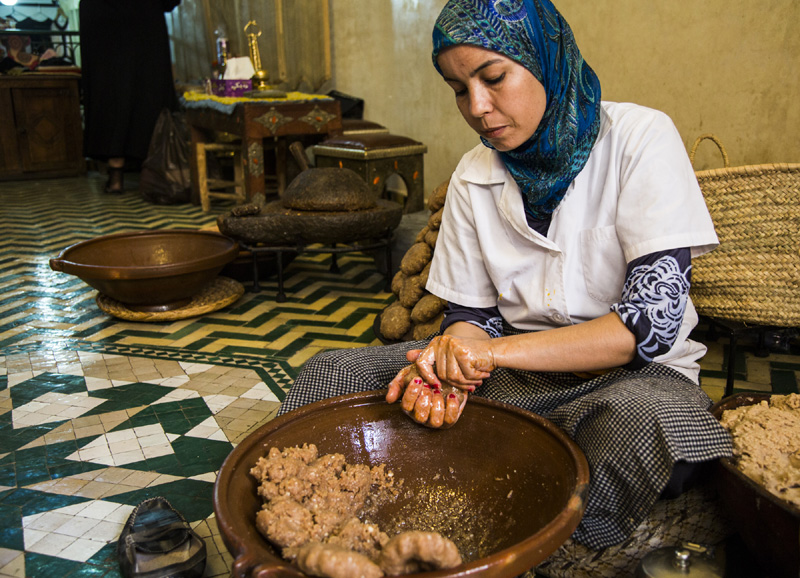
98, 414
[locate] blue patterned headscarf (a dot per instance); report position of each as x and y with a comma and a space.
533, 33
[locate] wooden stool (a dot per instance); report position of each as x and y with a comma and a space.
377, 156
216, 188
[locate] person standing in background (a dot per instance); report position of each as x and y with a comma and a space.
127, 79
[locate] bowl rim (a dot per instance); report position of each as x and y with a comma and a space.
248, 563
62, 262
729, 464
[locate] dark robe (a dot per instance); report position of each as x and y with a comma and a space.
127, 74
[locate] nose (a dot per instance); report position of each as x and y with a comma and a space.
480, 102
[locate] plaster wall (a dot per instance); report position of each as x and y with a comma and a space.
727, 67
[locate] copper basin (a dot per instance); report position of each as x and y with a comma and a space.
149, 270
768, 525
507, 486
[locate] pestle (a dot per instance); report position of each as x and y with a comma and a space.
299, 153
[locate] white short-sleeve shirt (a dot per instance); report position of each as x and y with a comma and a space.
636, 195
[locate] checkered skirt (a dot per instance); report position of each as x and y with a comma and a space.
631, 425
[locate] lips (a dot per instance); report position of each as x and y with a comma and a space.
493, 132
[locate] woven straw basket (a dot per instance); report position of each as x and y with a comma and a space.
754, 275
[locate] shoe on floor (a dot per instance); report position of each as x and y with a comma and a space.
157, 542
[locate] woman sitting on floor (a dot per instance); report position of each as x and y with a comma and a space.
565, 256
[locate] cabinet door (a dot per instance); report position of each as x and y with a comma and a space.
46, 119
9, 150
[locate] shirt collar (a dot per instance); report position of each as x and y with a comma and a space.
488, 168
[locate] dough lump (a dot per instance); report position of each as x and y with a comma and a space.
312, 509
766, 443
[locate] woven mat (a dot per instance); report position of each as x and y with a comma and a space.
218, 294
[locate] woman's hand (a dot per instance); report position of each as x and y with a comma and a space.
433, 406
459, 362
435, 386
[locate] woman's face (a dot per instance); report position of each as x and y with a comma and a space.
499, 98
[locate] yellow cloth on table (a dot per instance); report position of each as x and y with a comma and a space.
194, 96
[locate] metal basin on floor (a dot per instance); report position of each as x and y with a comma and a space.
155, 270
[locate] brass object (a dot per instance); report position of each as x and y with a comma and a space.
318, 118
255, 159
273, 119
261, 76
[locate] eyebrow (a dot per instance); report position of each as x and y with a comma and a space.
477, 70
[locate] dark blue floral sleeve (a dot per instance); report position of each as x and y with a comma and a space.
654, 300
488, 318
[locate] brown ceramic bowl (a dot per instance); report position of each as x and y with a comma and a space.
507, 486
149, 270
768, 525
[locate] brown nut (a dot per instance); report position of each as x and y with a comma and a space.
436, 200
395, 321
416, 258
397, 282
428, 307
424, 330
423, 275
435, 220
430, 238
411, 292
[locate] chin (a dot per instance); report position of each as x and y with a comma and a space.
505, 144
503, 147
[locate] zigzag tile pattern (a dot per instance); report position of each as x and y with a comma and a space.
323, 310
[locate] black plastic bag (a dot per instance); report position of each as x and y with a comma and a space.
166, 172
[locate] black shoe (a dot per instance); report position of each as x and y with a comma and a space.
156, 541
114, 185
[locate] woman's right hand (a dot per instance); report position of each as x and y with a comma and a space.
435, 406
457, 361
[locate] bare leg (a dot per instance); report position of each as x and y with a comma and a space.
115, 171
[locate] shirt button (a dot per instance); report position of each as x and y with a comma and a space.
558, 318
554, 253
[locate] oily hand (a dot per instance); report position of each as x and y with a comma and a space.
433, 406
458, 362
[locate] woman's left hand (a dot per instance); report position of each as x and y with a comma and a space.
434, 406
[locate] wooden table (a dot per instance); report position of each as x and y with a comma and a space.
255, 121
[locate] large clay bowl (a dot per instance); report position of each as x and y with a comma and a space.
768, 525
149, 270
507, 486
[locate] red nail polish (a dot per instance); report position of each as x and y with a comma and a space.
426, 385
452, 396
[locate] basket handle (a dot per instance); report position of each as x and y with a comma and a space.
716, 141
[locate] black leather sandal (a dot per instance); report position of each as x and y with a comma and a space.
115, 184
156, 541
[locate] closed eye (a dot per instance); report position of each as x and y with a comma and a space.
496, 80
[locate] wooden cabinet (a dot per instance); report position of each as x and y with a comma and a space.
40, 126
